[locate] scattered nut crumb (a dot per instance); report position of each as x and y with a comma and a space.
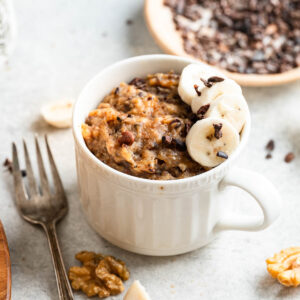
99, 275
285, 266
289, 157
268, 156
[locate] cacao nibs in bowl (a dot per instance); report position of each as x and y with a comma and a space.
246, 36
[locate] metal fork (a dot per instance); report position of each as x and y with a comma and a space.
38, 205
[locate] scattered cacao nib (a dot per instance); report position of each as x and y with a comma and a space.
8, 165
202, 111
206, 83
268, 156
129, 22
222, 154
196, 89
127, 138
215, 79
117, 90
270, 146
289, 157
119, 119
218, 133
251, 37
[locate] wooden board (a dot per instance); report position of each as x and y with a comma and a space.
5, 274
161, 26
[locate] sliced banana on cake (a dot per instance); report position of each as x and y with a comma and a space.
231, 107
58, 114
190, 84
211, 141
215, 87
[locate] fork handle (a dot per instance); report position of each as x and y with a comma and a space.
63, 284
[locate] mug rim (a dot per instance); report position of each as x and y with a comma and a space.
77, 134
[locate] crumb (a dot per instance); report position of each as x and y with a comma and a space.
268, 156
129, 22
271, 145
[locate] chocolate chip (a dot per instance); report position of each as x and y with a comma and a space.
202, 111
289, 157
215, 79
271, 145
127, 138
218, 133
222, 154
196, 89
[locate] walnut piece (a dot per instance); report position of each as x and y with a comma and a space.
285, 266
99, 275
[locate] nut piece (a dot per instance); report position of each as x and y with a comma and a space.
100, 275
285, 266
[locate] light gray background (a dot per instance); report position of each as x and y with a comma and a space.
61, 45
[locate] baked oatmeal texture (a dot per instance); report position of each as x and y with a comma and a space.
140, 129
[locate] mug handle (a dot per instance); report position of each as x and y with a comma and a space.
262, 190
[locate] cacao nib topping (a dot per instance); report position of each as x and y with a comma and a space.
222, 154
127, 138
196, 89
289, 157
215, 79
202, 111
218, 133
206, 83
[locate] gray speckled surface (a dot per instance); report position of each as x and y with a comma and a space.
61, 45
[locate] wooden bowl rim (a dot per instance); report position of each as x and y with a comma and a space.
158, 16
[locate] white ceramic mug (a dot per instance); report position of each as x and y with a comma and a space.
159, 217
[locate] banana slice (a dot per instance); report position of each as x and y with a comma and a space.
190, 80
212, 91
58, 114
231, 107
211, 141
136, 292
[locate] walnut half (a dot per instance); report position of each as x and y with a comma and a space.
285, 266
99, 275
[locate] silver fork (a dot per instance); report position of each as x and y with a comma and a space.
38, 205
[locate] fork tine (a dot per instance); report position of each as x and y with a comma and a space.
57, 181
43, 176
31, 181
18, 182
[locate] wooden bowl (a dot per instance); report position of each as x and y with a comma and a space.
161, 26
5, 274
